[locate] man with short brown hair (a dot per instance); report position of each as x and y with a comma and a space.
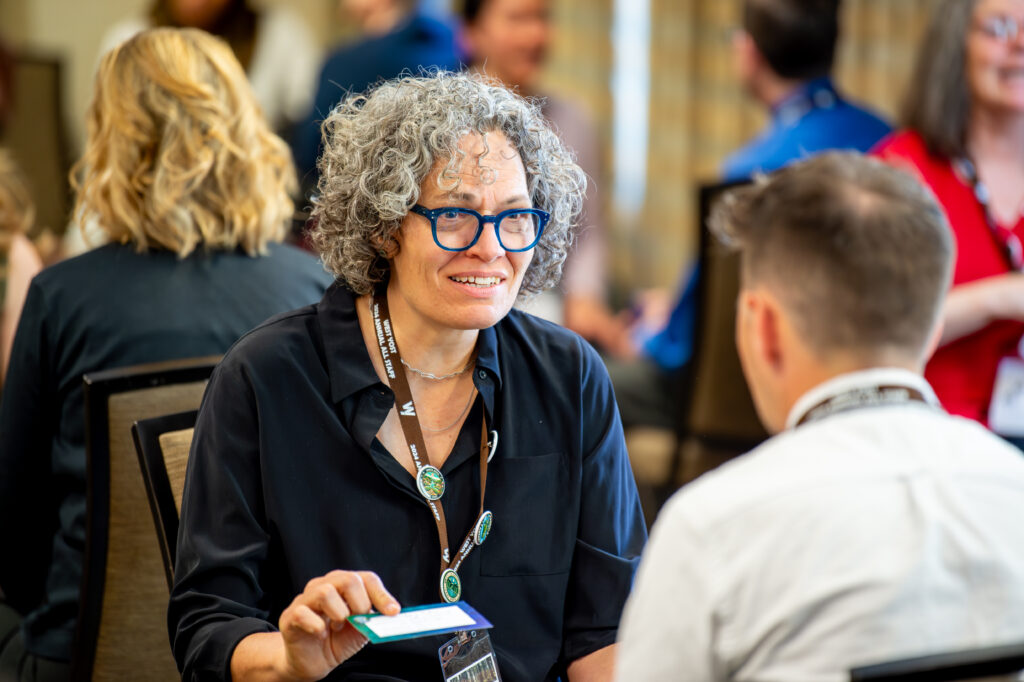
874, 525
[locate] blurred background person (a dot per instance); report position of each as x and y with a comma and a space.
398, 35
964, 137
192, 188
273, 44
783, 55
509, 40
19, 260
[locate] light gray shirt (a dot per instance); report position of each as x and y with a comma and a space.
872, 534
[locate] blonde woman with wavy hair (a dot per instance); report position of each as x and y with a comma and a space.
19, 260
187, 160
183, 174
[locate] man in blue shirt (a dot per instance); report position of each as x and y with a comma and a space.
401, 34
784, 54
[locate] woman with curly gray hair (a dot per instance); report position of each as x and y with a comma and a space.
353, 446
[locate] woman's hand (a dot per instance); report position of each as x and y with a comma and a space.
314, 636
971, 306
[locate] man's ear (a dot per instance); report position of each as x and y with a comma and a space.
765, 329
934, 339
747, 57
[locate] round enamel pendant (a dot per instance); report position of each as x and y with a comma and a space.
430, 482
483, 527
451, 586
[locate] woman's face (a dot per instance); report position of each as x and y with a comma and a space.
509, 39
433, 283
995, 55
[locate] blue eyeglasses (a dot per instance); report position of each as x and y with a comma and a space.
457, 229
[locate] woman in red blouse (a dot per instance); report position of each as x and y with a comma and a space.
964, 136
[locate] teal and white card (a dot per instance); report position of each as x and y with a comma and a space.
419, 621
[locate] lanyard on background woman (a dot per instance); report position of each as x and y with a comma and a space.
1007, 239
429, 480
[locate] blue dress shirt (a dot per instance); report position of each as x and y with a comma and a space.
813, 119
422, 41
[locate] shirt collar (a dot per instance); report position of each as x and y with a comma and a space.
818, 93
879, 376
348, 362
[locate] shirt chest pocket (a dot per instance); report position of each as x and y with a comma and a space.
535, 518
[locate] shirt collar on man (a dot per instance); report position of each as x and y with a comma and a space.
878, 376
819, 93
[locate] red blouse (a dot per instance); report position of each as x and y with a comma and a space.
962, 372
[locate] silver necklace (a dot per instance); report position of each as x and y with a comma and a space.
472, 395
434, 377
429, 375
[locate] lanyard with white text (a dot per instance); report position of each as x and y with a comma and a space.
1008, 241
869, 396
429, 480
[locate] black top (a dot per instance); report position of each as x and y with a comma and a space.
111, 307
287, 482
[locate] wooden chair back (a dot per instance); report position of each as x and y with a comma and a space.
717, 417
122, 630
36, 134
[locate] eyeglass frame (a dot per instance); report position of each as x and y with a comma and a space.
431, 214
1011, 28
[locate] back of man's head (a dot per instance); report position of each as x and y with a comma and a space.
858, 253
797, 38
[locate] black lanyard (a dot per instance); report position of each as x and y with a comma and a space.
1008, 241
859, 398
429, 479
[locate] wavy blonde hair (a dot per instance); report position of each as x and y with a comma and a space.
379, 149
17, 211
178, 153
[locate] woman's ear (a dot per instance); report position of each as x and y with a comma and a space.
387, 247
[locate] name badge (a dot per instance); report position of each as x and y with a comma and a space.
469, 657
1006, 411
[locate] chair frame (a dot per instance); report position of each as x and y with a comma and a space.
64, 159
146, 434
947, 667
687, 387
98, 388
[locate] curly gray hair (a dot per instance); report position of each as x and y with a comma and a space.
379, 148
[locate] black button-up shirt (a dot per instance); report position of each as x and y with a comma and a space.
287, 482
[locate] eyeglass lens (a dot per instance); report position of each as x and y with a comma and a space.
1001, 27
516, 230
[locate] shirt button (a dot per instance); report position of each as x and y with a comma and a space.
481, 373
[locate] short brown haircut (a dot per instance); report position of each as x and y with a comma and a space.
796, 37
858, 252
937, 101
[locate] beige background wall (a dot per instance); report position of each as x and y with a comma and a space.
74, 29
698, 113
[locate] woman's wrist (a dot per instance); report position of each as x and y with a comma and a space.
262, 657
